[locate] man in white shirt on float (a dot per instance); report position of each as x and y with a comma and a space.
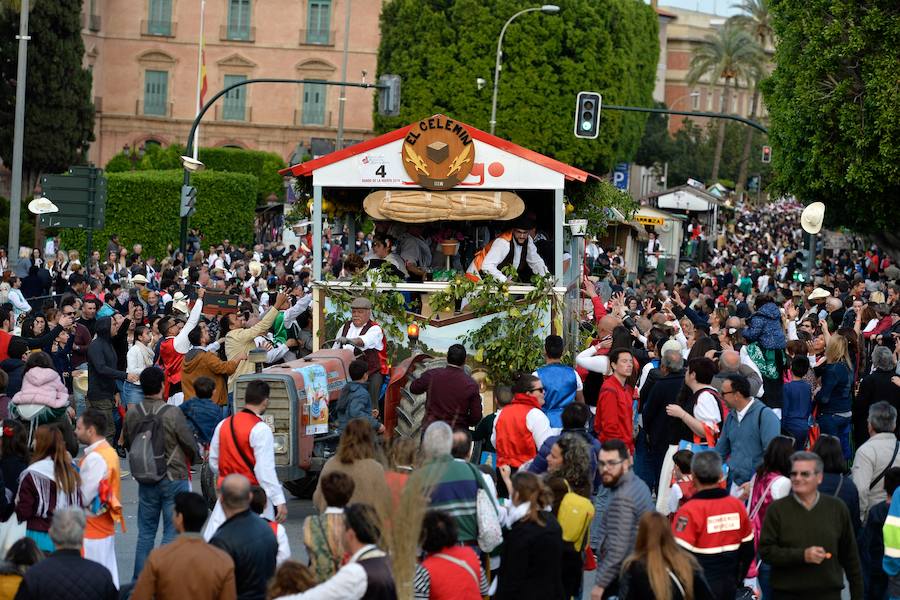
364, 334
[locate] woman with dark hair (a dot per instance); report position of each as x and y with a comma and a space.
384, 254
323, 534
836, 481
448, 571
356, 457
659, 568
570, 458
21, 556
770, 482
532, 542
34, 327
50, 483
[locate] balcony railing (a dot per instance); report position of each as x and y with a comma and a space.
94, 22
139, 110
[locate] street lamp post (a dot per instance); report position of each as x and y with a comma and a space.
15, 202
547, 9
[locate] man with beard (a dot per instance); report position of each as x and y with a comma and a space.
511, 248
629, 499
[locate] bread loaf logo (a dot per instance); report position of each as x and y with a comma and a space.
438, 153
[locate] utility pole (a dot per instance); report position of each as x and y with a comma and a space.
15, 203
342, 100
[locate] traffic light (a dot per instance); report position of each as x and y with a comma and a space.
389, 95
767, 154
587, 115
188, 199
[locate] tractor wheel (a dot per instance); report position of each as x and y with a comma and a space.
302, 488
411, 409
208, 484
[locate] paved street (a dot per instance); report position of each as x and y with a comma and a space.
125, 543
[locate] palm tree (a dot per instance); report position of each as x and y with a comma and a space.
756, 20
731, 54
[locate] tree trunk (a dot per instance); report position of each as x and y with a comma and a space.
720, 142
748, 145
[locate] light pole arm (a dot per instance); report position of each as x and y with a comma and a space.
497, 64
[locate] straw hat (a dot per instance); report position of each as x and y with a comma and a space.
255, 268
818, 294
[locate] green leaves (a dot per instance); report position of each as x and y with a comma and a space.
440, 47
59, 116
832, 103
142, 207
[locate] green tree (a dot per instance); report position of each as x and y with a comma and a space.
833, 107
731, 54
755, 19
656, 144
695, 146
59, 114
440, 47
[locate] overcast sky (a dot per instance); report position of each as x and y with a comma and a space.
719, 7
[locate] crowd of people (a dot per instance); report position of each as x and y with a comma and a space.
733, 432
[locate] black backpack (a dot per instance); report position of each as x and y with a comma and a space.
147, 454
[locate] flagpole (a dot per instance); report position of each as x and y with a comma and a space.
200, 66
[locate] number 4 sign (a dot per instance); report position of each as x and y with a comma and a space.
375, 169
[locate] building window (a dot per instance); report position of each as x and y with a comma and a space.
235, 100
156, 93
734, 103
313, 104
695, 100
159, 18
239, 20
709, 100
318, 22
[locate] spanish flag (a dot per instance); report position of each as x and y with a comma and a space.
203, 85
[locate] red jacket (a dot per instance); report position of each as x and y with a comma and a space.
515, 443
450, 581
230, 459
615, 413
712, 523
170, 360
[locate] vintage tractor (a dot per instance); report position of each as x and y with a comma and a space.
299, 456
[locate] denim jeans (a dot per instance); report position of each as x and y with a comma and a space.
838, 427
155, 500
601, 502
764, 577
130, 394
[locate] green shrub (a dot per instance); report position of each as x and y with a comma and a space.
142, 207
262, 165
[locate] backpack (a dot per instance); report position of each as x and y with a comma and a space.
147, 454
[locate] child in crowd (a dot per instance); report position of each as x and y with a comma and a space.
797, 403
258, 505
201, 412
355, 400
683, 486
290, 578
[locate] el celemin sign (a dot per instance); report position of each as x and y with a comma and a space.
438, 153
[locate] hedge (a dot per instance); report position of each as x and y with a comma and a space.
262, 165
142, 207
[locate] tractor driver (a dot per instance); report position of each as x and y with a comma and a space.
512, 247
362, 333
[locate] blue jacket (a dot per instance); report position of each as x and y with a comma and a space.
742, 445
764, 326
354, 402
797, 402
202, 415
560, 387
834, 395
